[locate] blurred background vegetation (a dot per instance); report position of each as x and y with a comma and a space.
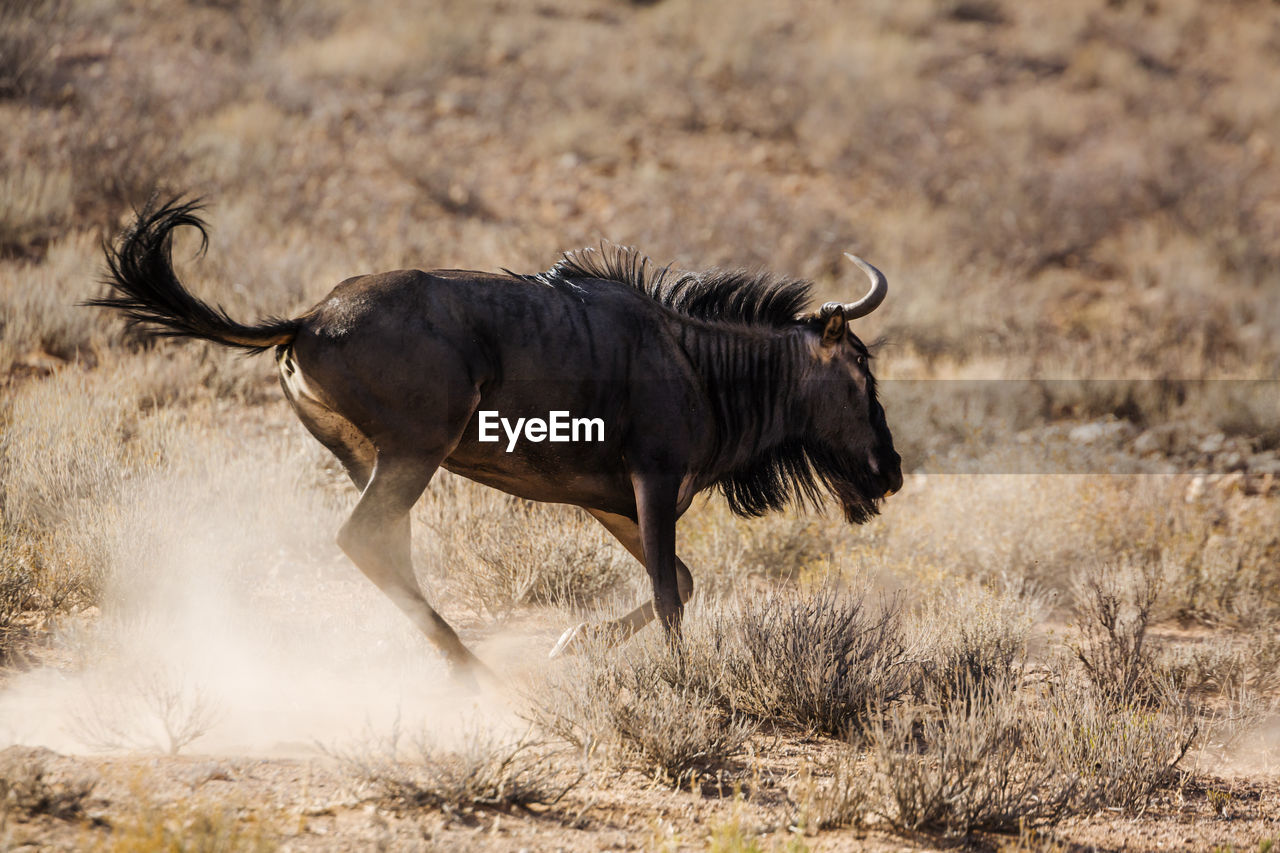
1069, 189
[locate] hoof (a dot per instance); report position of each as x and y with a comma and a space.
570, 641
472, 676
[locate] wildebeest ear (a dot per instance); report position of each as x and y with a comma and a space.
832, 315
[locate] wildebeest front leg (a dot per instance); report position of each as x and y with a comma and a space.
656, 496
627, 532
376, 538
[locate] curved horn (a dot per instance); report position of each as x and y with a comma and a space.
870, 302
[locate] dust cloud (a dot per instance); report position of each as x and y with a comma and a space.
1253, 751
231, 624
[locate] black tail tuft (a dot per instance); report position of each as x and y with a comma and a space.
145, 287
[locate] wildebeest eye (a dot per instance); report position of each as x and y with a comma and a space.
862, 361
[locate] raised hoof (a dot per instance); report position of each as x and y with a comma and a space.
570, 642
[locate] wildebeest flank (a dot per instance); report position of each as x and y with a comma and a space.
713, 380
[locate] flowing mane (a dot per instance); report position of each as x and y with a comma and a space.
716, 295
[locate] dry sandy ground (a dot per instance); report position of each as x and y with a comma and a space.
311, 804
270, 791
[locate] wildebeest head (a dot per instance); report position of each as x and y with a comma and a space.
847, 441
837, 442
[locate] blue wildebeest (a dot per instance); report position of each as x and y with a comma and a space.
713, 380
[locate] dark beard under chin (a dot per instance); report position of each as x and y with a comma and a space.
807, 474
852, 484
860, 512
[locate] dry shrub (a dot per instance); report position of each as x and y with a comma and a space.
1222, 558
970, 766
1049, 213
146, 712
645, 705
1123, 749
1113, 609
20, 594
1214, 667
484, 770
63, 452
1224, 665
822, 660
1002, 757
62, 445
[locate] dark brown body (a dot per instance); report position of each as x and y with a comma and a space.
384, 360
706, 381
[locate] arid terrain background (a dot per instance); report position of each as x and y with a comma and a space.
1062, 633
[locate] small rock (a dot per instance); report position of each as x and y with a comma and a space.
1149, 442
1212, 443
1092, 432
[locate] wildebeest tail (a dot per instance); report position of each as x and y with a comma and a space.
145, 287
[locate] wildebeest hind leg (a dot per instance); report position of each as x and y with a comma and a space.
627, 532
376, 538
340, 436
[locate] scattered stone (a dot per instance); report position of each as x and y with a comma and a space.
1212, 443
1091, 433
1233, 461
1149, 442
1265, 463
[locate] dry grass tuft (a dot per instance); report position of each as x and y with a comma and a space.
484, 770
30, 786
500, 552
830, 793
973, 637
188, 826
735, 834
